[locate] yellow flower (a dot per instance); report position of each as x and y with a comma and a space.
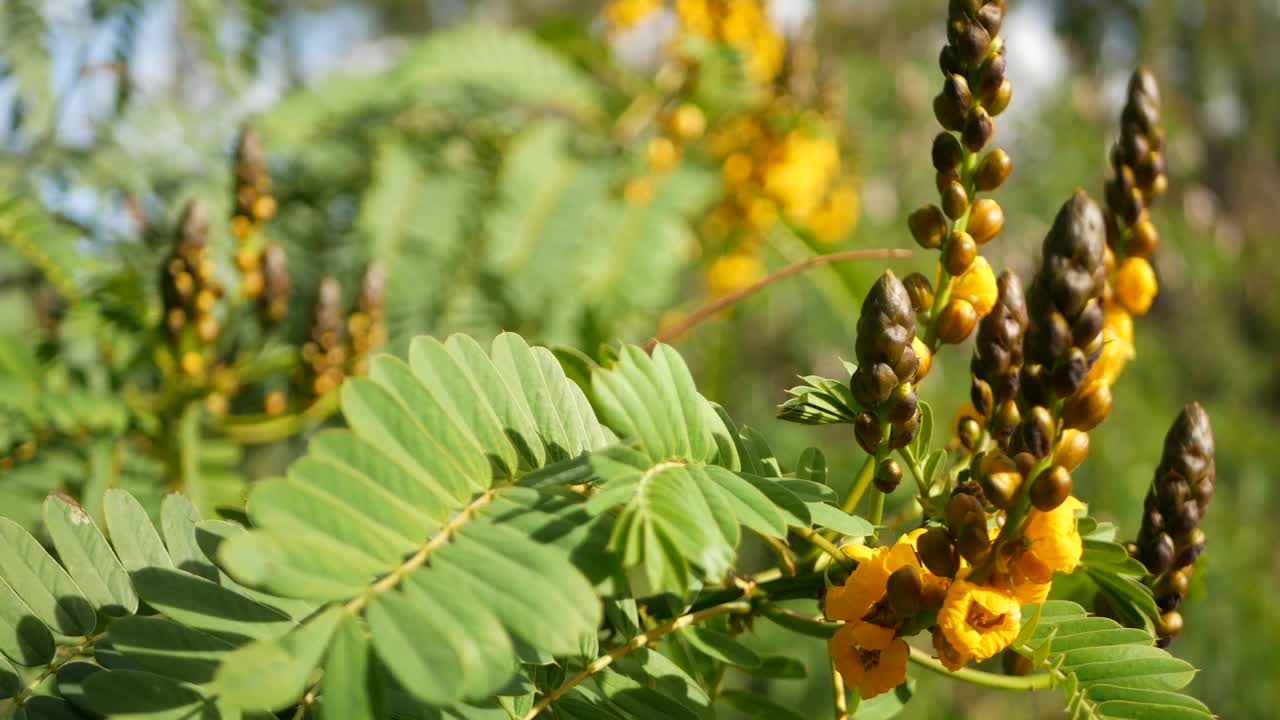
1052, 537
1135, 285
625, 14
866, 584
977, 620
1117, 345
732, 272
837, 215
978, 286
870, 671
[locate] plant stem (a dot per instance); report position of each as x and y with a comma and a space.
826, 546
1039, 681
838, 696
914, 467
737, 607
720, 303
257, 431
860, 484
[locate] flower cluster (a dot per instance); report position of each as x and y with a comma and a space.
974, 91
1170, 540
1138, 169
778, 149
325, 353
190, 292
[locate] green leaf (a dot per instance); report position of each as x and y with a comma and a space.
23, 639
132, 534
88, 558
178, 518
820, 401
722, 647
757, 706
832, 517
352, 681
812, 466
10, 681
161, 646
923, 441
45, 588
1104, 668
778, 667
203, 605
136, 695
271, 674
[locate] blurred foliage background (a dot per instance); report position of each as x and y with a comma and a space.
542, 216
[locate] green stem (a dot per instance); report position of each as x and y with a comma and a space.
942, 295
1039, 681
913, 465
187, 441
860, 484
256, 431
643, 639
826, 546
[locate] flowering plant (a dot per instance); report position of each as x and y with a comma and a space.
505, 530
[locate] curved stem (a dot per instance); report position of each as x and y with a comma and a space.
838, 695
860, 484
257, 432
720, 303
1039, 681
635, 643
913, 466
826, 546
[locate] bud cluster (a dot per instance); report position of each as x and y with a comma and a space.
367, 324
325, 353
263, 270
889, 360
190, 291
1170, 539
974, 91
1065, 330
997, 362
1138, 178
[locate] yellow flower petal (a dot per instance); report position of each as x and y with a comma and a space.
979, 620
1135, 285
978, 286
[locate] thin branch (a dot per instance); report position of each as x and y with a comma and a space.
826, 546
635, 643
724, 301
1039, 681
255, 431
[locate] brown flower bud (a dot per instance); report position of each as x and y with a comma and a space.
1143, 239
1072, 449
954, 199
978, 129
938, 552
999, 477
999, 100
960, 252
986, 220
947, 153
993, 170
888, 475
957, 320
974, 543
904, 591
928, 226
1170, 624
1051, 488
968, 432
868, 431
1089, 407
963, 508
920, 290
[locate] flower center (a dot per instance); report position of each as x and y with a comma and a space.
981, 619
870, 658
